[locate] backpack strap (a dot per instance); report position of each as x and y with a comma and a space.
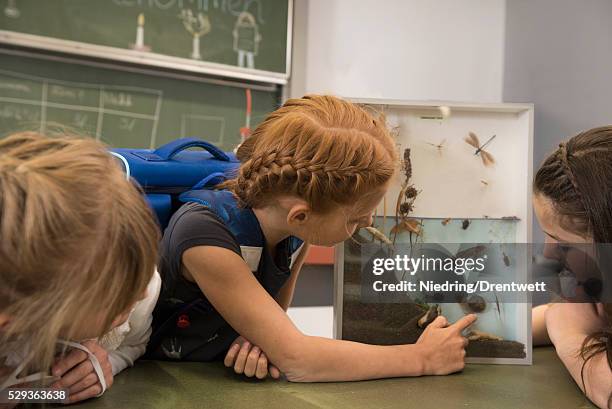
241, 222
168, 151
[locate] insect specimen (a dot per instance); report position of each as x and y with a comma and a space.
438, 146
484, 182
487, 158
405, 200
475, 335
465, 224
446, 221
473, 304
506, 259
395, 132
407, 225
429, 316
378, 235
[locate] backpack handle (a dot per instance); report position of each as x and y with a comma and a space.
169, 150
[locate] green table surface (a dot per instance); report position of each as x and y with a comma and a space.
156, 385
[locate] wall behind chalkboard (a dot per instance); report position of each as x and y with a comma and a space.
251, 34
124, 109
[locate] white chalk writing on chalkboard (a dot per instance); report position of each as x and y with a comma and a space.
14, 87
120, 99
232, 7
60, 91
19, 113
84, 105
81, 120
127, 124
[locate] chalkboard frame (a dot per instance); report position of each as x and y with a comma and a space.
153, 59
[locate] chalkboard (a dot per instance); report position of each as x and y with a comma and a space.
227, 37
124, 109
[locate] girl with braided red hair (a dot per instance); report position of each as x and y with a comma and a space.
314, 170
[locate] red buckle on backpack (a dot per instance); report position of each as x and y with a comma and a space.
183, 321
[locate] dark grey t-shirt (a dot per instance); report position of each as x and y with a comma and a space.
191, 226
185, 324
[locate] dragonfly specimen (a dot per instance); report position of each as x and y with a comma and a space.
487, 158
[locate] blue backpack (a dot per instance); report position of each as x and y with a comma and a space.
171, 170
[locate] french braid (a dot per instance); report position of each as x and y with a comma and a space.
319, 148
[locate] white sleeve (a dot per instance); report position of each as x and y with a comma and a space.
135, 342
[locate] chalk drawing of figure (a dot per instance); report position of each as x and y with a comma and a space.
11, 9
246, 39
197, 26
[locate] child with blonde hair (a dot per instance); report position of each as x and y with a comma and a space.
78, 248
312, 172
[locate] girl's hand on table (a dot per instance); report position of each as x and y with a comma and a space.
250, 360
77, 373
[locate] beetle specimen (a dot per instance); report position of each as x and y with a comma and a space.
506, 259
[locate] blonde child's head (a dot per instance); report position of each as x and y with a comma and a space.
332, 155
78, 243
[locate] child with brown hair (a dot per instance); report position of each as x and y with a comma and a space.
313, 171
573, 204
78, 248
